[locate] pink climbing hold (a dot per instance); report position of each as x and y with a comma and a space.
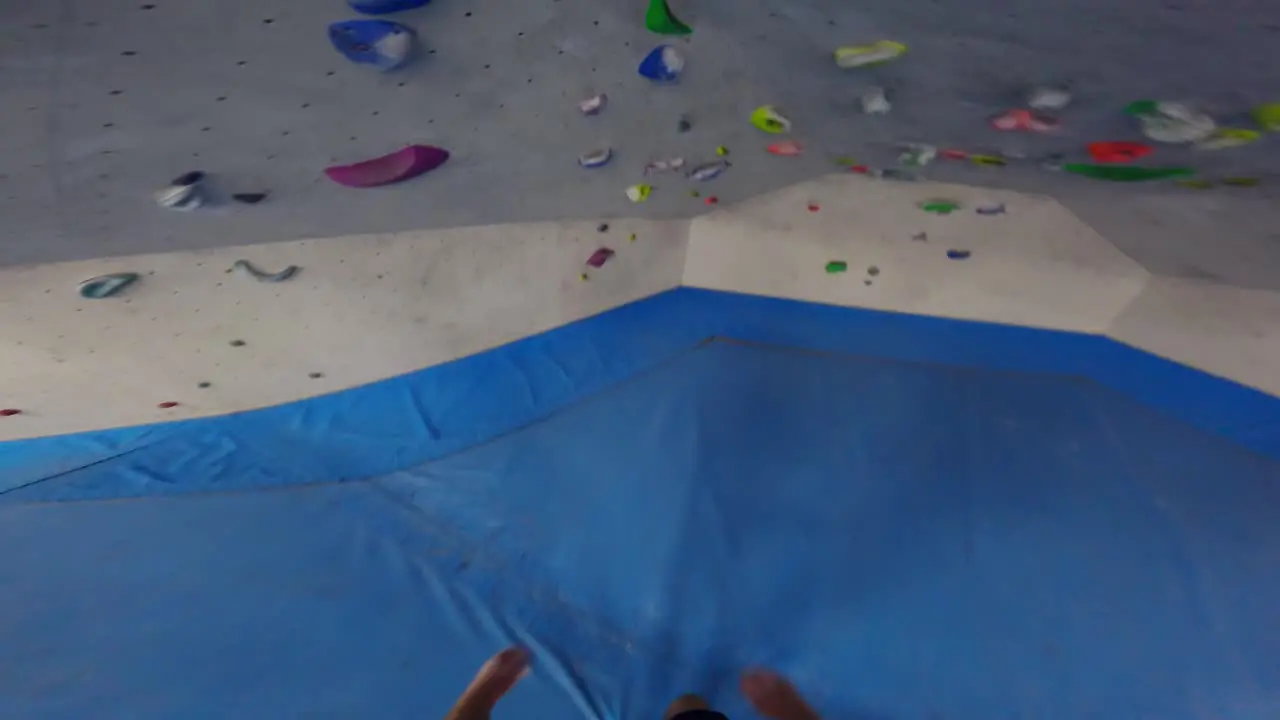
1024, 120
10, 412
400, 165
789, 148
600, 257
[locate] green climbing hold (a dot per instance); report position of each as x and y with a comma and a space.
1142, 107
768, 119
1125, 173
659, 19
940, 207
1267, 115
837, 266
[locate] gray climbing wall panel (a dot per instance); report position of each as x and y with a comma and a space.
104, 100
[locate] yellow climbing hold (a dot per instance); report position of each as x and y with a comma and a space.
639, 193
855, 56
988, 160
722, 150
768, 119
631, 237
1267, 115
583, 277
1223, 138
1195, 184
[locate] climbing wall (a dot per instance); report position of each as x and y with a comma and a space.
105, 101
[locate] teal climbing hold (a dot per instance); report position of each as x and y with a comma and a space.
105, 286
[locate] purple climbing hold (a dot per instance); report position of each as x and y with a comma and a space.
600, 257
400, 165
384, 7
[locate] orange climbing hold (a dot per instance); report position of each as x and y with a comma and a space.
1118, 152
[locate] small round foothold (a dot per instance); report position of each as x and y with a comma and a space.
602, 227
10, 412
315, 375
631, 238
237, 343
205, 385
167, 405
583, 277
712, 200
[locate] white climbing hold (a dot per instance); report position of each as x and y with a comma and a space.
1048, 98
874, 102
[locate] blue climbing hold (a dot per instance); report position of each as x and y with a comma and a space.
662, 65
385, 44
384, 7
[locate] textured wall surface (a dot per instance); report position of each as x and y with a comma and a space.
102, 101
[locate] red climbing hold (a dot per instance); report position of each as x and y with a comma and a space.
860, 169
167, 405
1118, 152
10, 412
813, 207
712, 200
400, 165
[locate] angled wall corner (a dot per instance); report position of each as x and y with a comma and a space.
1221, 330
362, 309
1036, 265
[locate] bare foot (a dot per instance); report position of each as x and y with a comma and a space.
683, 704
774, 697
495, 678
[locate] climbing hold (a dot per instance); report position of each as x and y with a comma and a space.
768, 119
1118, 152
666, 165
183, 192
167, 405
639, 193
684, 125
1195, 184
600, 257
1126, 174
1048, 98
384, 44
722, 151
988, 160
1224, 138
105, 286
595, 158
814, 207
712, 200
993, 209
1023, 120
939, 206
1169, 122
958, 254
708, 171
204, 385
875, 102
694, 193
662, 65
837, 266
954, 154
403, 164
844, 161
10, 412
384, 7
1241, 181
920, 237
237, 343
659, 19
315, 375
873, 271
631, 237
1267, 115
244, 267
917, 155
788, 148
602, 227
594, 104
583, 277
855, 56
249, 198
